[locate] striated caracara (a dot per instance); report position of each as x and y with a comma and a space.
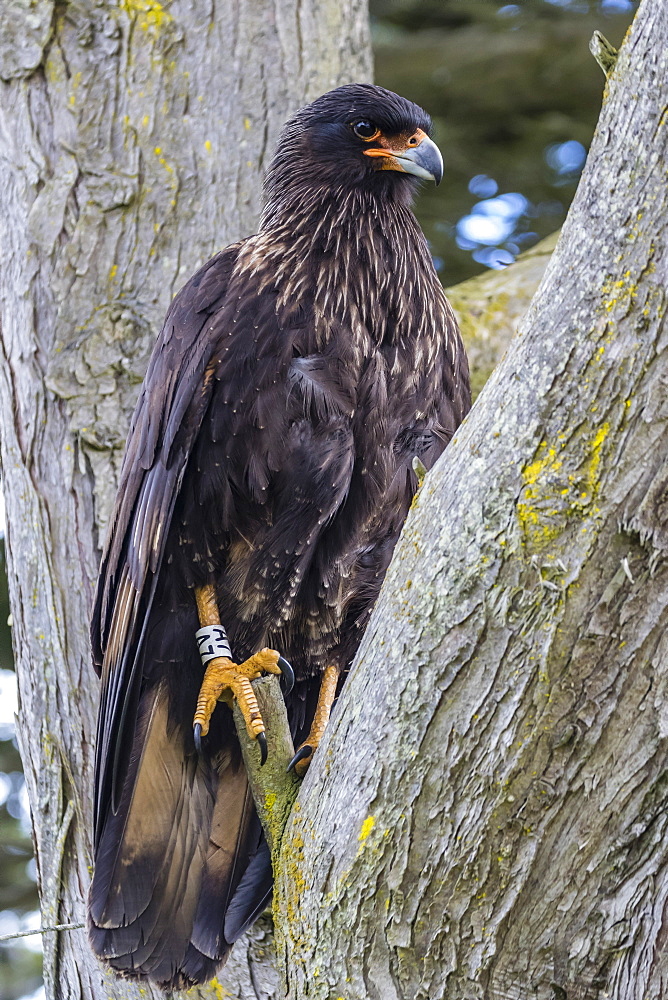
267, 474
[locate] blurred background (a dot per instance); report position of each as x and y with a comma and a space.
514, 94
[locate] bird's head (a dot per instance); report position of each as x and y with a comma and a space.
358, 135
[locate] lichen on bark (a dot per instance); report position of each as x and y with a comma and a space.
134, 139
486, 816
493, 820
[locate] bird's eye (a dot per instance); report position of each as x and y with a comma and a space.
365, 130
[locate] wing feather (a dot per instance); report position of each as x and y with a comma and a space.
164, 427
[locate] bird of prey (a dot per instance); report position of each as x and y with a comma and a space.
267, 474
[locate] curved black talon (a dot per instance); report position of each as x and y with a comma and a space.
262, 742
301, 754
288, 674
197, 736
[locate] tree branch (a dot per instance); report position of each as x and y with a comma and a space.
603, 52
131, 152
497, 827
490, 306
274, 788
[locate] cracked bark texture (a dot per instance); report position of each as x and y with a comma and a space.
487, 814
133, 138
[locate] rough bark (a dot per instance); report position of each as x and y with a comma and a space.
133, 142
486, 817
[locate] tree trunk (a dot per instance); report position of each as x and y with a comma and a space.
134, 138
487, 815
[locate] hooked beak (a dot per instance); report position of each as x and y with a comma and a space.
424, 160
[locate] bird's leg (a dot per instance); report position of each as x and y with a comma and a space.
326, 698
225, 680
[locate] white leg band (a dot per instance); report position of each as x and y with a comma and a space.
212, 642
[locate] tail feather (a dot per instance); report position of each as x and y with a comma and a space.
170, 860
234, 824
252, 894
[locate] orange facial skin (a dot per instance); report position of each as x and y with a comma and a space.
390, 147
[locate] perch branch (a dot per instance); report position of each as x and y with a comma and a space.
274, 789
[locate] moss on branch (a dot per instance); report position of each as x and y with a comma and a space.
274, 788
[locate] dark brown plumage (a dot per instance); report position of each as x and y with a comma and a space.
296, 376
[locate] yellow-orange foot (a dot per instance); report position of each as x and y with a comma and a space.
225, 680
302, 759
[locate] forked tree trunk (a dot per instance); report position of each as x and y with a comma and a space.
132, 143
487, 816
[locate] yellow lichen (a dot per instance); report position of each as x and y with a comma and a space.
150, 15
367, 827
75, 83
551, 497
215, 986
539, 484
595, 458
292, 863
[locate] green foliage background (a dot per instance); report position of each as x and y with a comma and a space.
501, 88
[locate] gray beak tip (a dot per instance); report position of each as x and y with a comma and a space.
423, 161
